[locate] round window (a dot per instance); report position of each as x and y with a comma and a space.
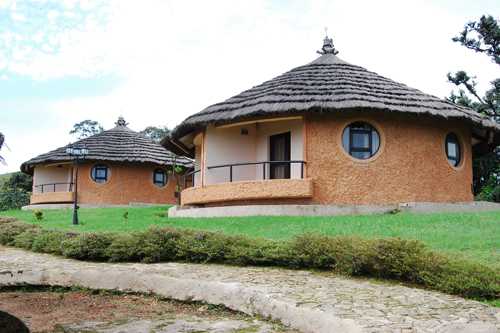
159, 177
453, 150
100, 173
361, 140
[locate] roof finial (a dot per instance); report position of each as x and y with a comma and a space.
121, 122
328, 47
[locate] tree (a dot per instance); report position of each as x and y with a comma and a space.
2, 140
15, 191
155, 133
86, 128
482, 37
18, 181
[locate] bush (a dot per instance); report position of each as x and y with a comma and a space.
156, 244
124, 247
393, 258
15, 191
25, 239
87, 246
9, 230
345, 255
49, 242
38, 215
13, 199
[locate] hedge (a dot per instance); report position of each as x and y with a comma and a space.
397, 259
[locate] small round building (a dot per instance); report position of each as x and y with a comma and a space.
332, 133
122, 167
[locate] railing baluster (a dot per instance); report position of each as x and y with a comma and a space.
264, 164
54, 187
42, 188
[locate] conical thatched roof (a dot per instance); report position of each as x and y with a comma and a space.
325, 85
119, 144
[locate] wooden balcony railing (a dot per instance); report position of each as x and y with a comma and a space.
54, 187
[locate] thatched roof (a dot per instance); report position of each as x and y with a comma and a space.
328, 84
119, 144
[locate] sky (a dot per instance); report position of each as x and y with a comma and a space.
155, 62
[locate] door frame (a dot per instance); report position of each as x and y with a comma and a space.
288, 151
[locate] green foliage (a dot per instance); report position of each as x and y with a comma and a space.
87, 246
9, 230
154, 133
15, 191
50, 241
125, 247
86, 128
393, 258
472, 235
481, 36
38, 214
13, 199
486, 177
343, 254
157, 244
25, 239
491, 189
19, 181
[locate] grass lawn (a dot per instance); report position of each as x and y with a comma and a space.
474, 236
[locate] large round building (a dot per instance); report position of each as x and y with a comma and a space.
121, 167
334, 133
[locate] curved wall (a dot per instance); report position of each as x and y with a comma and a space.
410, 166
127, 183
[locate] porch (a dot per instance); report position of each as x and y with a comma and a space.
52, 184
249, 161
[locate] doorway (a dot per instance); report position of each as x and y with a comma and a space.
279, 150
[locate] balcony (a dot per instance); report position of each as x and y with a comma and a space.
266, 188
52, 193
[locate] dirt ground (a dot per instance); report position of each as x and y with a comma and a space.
45, 311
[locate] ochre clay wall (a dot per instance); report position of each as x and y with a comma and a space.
248, 190
411, 165
127, 183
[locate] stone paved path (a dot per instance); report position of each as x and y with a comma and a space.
185, 325
304, 300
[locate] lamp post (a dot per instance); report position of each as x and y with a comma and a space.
77, 153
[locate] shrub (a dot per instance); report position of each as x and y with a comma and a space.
158, 244
9, 230
343, 254
13, 199
260, 252
87, 246
393, 258
124, 247
38, 215
203, 246
396, 258
49, 242
25, 239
